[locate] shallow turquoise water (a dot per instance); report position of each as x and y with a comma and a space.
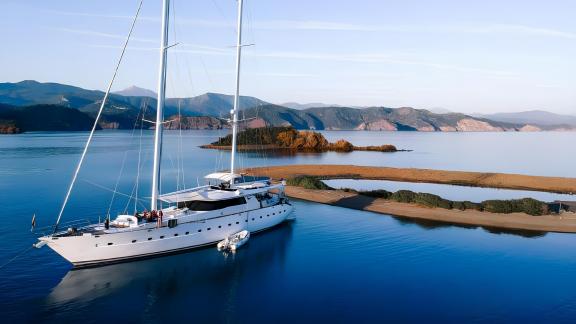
331, 264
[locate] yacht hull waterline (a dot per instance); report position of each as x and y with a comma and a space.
92, 249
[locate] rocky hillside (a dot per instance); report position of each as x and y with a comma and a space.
375, 119
208, 110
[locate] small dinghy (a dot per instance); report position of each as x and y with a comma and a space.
234, 241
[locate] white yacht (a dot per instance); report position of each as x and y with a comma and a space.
229, 202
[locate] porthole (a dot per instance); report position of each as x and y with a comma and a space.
260, 216
252, 218
209, 228
237, 222
110, 243
229, 224
149, 239
199, 230
219, 226
187, 233
246, 221
175, 234
162, 236
133, 241
273, 213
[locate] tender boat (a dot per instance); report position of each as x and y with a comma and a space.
234, 241
229, 204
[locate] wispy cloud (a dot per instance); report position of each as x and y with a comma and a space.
105, 35
357, 58
310, 25
96, 15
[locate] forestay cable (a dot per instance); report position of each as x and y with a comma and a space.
79, 166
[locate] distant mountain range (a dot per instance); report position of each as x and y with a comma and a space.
534, 117
31, 105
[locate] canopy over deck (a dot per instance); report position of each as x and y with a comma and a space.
208, 193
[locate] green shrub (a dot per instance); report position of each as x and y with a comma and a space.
533, 207
405, 196
526, 205
380, 193
472, 205
458, 205
308, 182
431, 200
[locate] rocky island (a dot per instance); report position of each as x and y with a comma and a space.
290, 139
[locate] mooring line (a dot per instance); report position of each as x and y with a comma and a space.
17, 256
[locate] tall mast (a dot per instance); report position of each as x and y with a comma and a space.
160, 106
237, 94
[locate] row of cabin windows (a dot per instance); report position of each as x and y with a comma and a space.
200, 230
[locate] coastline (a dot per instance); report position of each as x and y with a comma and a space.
462, 178
565, 223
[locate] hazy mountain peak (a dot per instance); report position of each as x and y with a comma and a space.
134, 91
295, 105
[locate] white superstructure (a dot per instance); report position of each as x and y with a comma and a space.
229, 203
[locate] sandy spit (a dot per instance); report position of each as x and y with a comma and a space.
475, 179
566, 223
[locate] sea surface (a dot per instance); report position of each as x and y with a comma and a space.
329, 265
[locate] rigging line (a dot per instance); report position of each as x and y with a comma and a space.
134, 191
123, 164
137, 184
111, 190
21, 253
75, 176
180, 149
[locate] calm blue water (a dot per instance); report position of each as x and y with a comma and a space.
331, 264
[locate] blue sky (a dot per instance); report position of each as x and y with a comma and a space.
468, 56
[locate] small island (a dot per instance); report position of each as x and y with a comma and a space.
288, 138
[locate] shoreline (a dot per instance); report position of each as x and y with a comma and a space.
565, 223
460, 178
271, 147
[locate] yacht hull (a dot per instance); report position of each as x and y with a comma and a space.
94, 250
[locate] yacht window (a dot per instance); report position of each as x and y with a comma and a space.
176, 234
133, 241
201, 205
162, 236
149, 239
209, 228
187, 233
110, 243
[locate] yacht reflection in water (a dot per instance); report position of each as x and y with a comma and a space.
144, 288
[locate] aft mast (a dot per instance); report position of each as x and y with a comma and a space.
237, 94
160, 106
